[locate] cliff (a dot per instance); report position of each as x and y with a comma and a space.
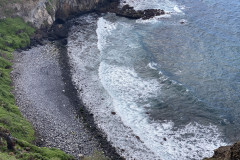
42, 13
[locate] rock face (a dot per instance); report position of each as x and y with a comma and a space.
227, 153
129, 12
72, 7
42, 13
39, 12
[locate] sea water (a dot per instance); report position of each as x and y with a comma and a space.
172, 82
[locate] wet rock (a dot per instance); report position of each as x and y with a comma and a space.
226, 153
129, 12
138, 137
235, 151
58, 31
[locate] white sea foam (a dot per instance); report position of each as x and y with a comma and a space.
155, 19
108, 27
176, 9
194, 141
84, 59
170, 8
120, 89
152, 65
166, 5
130, 95
124, 83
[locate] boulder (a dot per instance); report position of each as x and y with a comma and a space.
226, 153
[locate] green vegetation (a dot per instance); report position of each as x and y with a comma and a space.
5, 156
15, 33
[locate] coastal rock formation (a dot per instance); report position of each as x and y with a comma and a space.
227, 153
38, 12
67, 8
130, 12
42, 13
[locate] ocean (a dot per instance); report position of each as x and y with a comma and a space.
165, 88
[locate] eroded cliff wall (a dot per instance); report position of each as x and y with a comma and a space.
43, 13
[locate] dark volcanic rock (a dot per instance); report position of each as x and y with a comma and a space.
129, 12
38, 37
235, 151
67, 8
227, 153
58, 31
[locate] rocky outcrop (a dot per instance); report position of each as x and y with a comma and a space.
227, 153
42, 13
129, 12
38, 12
67, 8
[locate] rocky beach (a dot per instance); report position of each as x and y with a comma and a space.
47, 100
47, 96
114, 79
41, 96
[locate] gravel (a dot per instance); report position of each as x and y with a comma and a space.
40, 93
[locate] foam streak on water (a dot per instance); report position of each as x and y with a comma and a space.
128, 92
85, 61
166, 5
163, 90
170, 8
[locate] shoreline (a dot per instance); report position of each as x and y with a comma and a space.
85, 59
69, 92
76, 133
59, 33
82, 110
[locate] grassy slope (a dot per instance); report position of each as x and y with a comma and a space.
14, 33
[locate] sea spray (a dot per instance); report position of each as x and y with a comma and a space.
149, 85
130, 96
